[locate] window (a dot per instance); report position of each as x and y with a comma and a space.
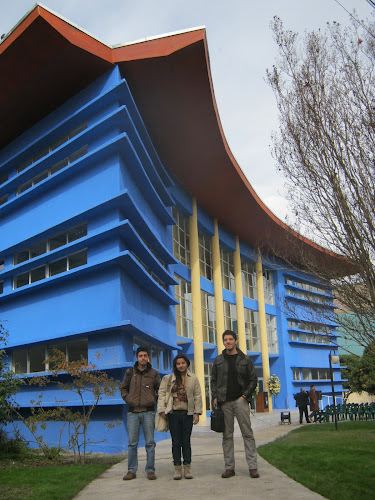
227, 270
3, 178
230, 316
296, 374
48, 149
3, 199
249, 279
208, 318
184, 310
52, 170
50, 244
34, 359
273, 345
1, 265
1, 287
207, 384
252, 330
293, 336
181, 248
269, 294
205, 256
306, 374
48, 270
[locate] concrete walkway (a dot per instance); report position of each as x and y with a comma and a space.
207, 466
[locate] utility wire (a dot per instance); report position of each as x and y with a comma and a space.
370, 2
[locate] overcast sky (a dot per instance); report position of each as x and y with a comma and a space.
241, 48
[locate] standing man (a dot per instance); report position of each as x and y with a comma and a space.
233, 382
314, 402
139, 389
302, 400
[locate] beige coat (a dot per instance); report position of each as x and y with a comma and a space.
193, 392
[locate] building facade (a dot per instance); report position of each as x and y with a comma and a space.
125, 220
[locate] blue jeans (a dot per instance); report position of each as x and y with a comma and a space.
180, 426
146, 419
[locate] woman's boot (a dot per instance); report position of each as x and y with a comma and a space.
177, 472
187, 471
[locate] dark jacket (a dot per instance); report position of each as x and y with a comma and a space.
246, 376
302, 399
139, 389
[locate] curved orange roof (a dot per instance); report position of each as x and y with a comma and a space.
45, 60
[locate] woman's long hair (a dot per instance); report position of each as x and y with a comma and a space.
175, 371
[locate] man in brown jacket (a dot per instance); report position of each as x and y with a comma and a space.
139, 390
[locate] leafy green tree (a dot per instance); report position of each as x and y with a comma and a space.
360, 372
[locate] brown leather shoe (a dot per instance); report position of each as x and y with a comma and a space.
228, 473
129, 475
151, 476
254, 473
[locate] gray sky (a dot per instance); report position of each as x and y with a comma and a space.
240, 46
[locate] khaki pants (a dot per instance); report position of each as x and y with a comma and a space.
240, 409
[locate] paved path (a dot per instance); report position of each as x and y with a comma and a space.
207, 465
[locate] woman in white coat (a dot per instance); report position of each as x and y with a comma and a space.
180, 401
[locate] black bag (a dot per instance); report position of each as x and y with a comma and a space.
217, 420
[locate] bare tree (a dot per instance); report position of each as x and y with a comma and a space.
324, 85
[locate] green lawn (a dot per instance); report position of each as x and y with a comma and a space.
336, 464
27, 476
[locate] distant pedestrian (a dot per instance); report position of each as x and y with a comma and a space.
302, 401
180, 401
139, 389
233, 382
314, 402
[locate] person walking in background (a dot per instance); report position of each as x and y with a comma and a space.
233, 382
180, 401
302, 400
138, 389
314, 402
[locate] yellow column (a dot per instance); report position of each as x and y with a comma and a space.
196, 303
218, 288
239, 298
263, 328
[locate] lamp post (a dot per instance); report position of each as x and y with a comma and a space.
333, 359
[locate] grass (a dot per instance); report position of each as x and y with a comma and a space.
29, 476
336, 464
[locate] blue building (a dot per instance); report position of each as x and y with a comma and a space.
125, 220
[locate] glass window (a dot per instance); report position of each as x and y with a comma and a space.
208, 318
21, 280
38, 274
249, 279
296, 374
77, 154
181, 244
3, 199
306, 374
24, 187
1, 265
205, 256
59, 166
57, 267
37, 249
230, 316
273, 345
77, 350
184, 310
3, 178
1, 287
207, 384
77, 259
77, 232
314, 374
19, 360
269, 294
59, 142
227, 270
21, 257
293, 336
252, 330
40, 177
37, 357
40, 154
57, 241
